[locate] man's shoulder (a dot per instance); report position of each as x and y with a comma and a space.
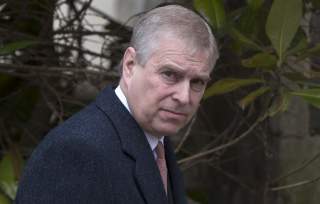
93, 127
92, 120
89, 126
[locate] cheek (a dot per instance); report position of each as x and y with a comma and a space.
151, 95
156, 90
196, 98
156, 97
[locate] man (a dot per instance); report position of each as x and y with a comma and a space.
112, 151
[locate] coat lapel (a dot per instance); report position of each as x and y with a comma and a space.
134, 144
175, 176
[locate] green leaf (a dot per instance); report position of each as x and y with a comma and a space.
295, 76
260, 60
4, 199
316, 4
247, 22
10, 189
282, 24
198, 196
301, 45
228, 85
303, 78
315, 50
245, 41
244, 102
312, 96
255, 4
214, 10
6, 169
7, 178
11, 47
280, 104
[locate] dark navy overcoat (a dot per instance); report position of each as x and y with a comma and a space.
100, 155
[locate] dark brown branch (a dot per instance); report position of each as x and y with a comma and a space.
221, 147
62, 70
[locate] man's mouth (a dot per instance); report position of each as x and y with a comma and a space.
175, 114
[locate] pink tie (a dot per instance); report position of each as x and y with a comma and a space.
161, 162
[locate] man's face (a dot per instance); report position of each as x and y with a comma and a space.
164, 94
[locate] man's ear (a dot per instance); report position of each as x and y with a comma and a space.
129, 61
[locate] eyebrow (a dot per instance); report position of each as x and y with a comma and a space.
182, 71
206, 78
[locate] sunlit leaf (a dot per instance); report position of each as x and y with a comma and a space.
7, 178
282, 24
228, 85
10, 189
260, 60
312, 96
11, 47
214, 10
7, 169
244, 102
2, 6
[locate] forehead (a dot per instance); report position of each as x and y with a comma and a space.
177, 53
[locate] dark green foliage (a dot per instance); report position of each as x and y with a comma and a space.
270, 40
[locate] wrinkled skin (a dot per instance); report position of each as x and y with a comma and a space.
165, 92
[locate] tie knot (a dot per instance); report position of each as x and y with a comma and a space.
160, 150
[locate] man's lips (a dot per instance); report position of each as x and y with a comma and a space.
175, 114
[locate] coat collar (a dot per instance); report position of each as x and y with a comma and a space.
178, 192
134, 144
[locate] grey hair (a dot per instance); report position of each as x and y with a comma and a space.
172, 19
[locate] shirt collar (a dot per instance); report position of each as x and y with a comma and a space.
122, 98
152, 140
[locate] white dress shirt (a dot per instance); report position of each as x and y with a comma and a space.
152, 140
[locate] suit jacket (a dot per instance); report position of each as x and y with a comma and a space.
100, 155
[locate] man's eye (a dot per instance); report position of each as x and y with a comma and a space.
198, 84
169, 76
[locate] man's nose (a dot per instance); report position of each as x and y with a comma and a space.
182, 93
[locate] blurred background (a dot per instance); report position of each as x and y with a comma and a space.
255, 138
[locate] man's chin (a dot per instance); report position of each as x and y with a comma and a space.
166, 131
